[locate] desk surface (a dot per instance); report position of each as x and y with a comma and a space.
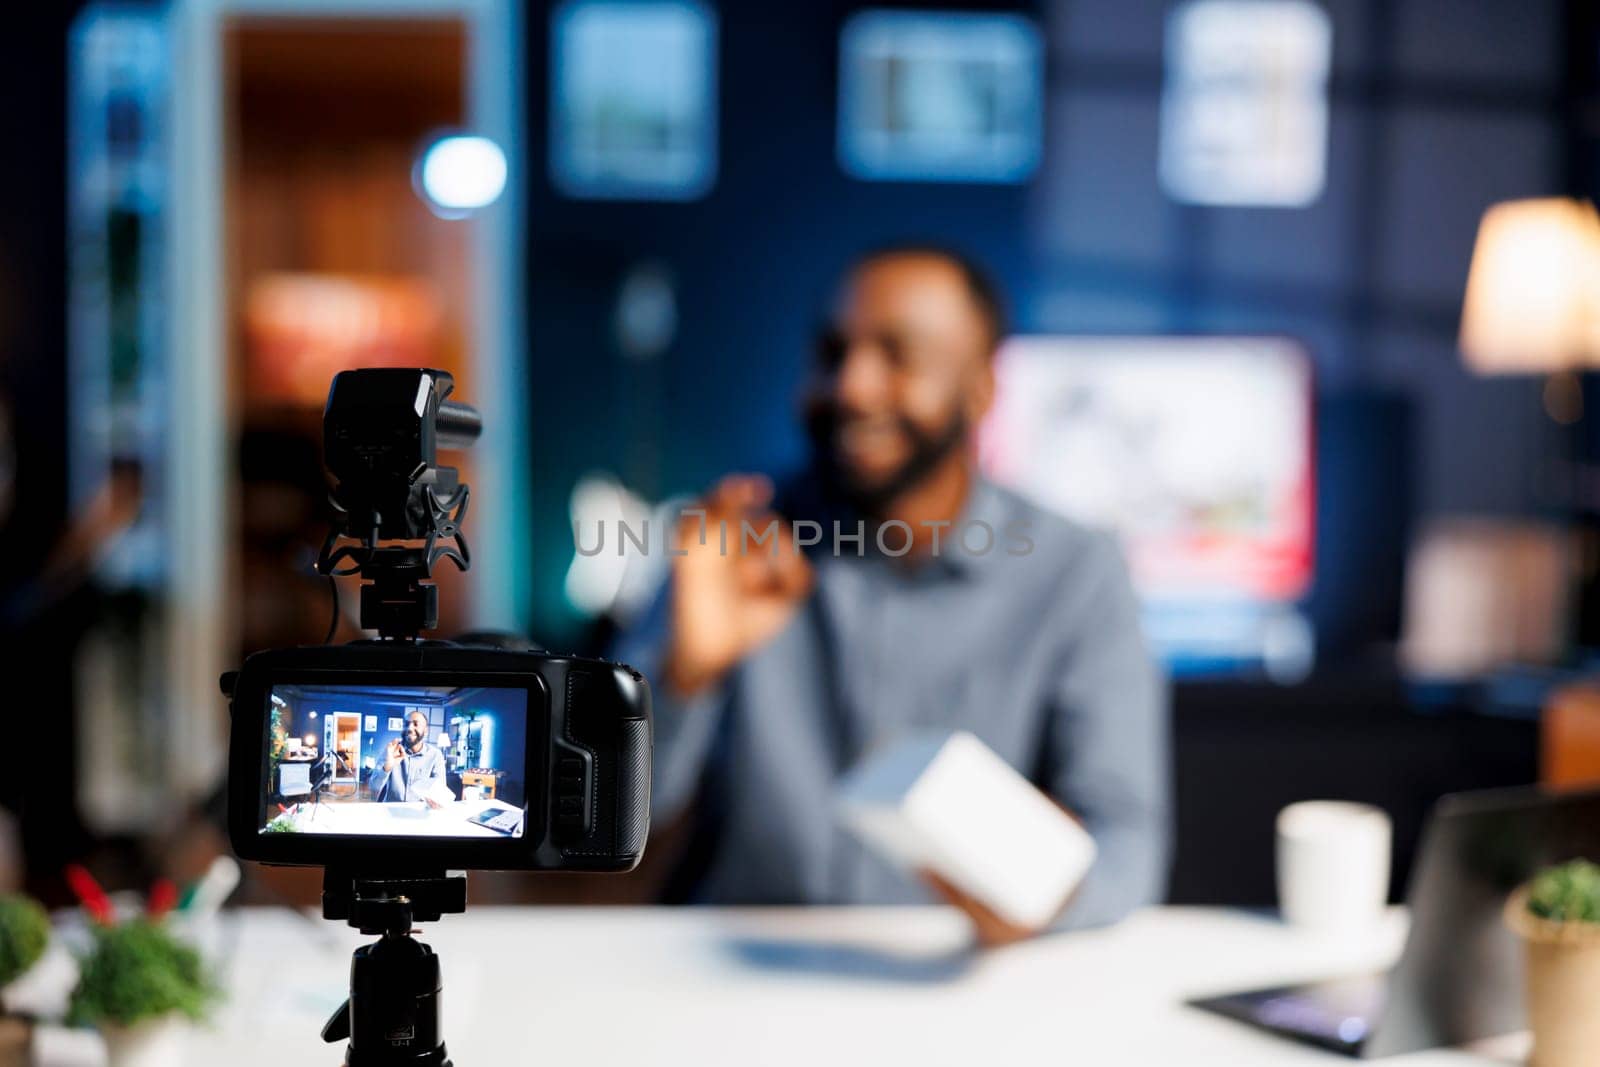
411, 819
633, 986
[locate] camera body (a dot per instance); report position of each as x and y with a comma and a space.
572, 789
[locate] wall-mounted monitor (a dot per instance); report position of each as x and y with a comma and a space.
1197, 451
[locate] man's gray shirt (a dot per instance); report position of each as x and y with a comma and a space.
412, 778
1038, 653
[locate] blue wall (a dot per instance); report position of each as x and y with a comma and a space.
507, 709
1439, 108
753, 261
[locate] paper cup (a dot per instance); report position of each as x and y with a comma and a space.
1333, 864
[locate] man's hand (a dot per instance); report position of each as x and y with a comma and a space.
992, 930
726, 604
393, 755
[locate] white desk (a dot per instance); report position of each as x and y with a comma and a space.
411, 819
811, 988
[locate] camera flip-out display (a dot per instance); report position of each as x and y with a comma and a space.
401, 761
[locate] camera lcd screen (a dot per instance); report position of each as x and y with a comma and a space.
387, 761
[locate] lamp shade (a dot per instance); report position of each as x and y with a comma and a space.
1533, 293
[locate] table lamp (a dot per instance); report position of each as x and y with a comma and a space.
1533, 307
1533, 293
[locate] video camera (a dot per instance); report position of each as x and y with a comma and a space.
479, 754
529, 761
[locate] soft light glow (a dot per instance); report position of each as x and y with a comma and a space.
1533, 294
462, 173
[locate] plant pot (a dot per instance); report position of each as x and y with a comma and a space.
162, 1042
1562, 984
16, 1041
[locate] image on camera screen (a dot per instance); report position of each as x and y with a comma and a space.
382, 761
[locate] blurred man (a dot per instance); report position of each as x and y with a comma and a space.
412, 769
775, 670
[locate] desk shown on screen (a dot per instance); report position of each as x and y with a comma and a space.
413, 819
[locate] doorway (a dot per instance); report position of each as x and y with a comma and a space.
296, 127
343, 741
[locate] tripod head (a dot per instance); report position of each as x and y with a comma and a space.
392, 1015
382, 431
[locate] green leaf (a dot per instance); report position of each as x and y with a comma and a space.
1567, 894
137, 970
24, 934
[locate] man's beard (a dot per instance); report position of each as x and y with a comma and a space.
873, 497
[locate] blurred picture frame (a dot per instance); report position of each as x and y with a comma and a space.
633, 99
1244, 105
940, 96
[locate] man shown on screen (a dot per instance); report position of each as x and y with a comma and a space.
412, 769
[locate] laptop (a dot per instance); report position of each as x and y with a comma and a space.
1459, 978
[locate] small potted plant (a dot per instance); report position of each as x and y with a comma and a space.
1557, 915
24, 935
139, 985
